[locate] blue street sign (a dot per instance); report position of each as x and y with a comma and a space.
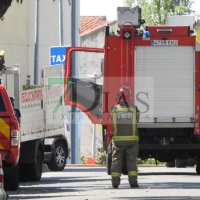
57, 55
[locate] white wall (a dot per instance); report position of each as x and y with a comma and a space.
14, 37
48, 30
17, 33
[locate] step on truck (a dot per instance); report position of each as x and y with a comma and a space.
161, 65
28, 121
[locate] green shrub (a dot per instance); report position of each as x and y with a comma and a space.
150, 161
100, 157
83, 159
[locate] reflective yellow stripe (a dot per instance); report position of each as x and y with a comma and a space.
1, 147
115, 174
132, 173
124, 138
4, 128
198, 35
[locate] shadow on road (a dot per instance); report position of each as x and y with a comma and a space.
65, 187
160, 198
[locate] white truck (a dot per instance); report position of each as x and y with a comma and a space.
41, 115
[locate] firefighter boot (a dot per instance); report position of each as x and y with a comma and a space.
135, 185
115, 182
133, 181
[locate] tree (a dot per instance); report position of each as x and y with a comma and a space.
155, 12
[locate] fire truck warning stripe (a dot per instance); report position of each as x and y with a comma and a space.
5, 129
1, 147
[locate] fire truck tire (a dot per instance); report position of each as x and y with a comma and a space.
180, 163
108, 163
34, 170
170, 164
190, 162
58, 159
11, 180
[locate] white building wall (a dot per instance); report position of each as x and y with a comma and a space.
17, 33
48, 30
14, 37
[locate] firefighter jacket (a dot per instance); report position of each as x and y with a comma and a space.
124, 121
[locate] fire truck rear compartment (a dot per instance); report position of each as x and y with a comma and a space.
164, 83
164, 94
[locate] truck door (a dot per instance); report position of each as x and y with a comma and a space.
85, 90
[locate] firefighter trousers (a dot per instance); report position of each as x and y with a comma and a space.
131, 153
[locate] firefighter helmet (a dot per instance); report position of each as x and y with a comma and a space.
124, 94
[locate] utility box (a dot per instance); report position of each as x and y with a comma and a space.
132, 15
182, 20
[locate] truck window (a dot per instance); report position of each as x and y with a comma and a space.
2, 106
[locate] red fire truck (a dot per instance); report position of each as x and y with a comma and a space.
161, 65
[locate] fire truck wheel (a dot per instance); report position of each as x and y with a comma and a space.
180, 163
58, 159
190, 162
34, 170
11, 180
108, 163
170, 164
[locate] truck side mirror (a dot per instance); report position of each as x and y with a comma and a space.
12, 100
17, 113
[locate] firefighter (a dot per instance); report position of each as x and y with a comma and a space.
125, 138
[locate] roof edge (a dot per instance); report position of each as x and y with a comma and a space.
103, 24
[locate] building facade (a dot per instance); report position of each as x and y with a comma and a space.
18, 33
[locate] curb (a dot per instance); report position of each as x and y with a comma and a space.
96, 165
84, 165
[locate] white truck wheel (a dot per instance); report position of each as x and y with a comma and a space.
58, 159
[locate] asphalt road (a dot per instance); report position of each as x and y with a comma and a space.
88, 183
